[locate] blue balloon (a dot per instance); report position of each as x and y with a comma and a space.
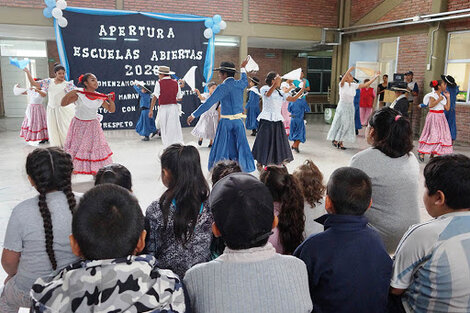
47, 12
217, 19
50, 3
216, 29
208, 23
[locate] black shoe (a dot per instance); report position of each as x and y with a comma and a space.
43, 141
357, 132
335, 144
340, 146
253, 133
209, 146
199, 142
421, 157
296, 149
146, 138
154, 134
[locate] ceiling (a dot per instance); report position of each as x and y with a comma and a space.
267, 43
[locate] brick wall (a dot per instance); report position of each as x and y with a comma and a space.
268, 60
461, 24
23, 3
408, 8
360, 8
319, 13
463, 123
230, 10
412, 57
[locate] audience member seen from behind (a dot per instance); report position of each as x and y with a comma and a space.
288, 207
348, 267
219, 171
116, 174
179, 223
108, 233
313, 190
249, 276
36, 240
436, 254
394, 172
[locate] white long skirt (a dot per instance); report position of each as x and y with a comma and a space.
170, 126
342, 128
58, 123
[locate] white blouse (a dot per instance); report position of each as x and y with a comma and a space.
34, 97
272, 105
87, 109
440, 106
347, 92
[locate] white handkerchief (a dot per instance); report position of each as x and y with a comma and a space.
293, 75
251, 66
18, 90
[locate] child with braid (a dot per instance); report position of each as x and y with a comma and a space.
37, 237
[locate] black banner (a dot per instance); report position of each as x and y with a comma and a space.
122, 47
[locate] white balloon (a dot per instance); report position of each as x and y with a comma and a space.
208, 33
57, 13
223, 25
61, 4
62, 22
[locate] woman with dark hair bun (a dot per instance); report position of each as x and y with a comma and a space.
436, 138
58, 117
394, 172
85, 139
271, 145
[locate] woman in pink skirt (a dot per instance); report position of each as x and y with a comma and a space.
436, 138
85, 140
286, 87
34, 127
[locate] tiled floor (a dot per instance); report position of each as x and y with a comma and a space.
142, 159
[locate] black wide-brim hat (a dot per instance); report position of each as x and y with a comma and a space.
227, 67
399, 89
255, 80
449, 80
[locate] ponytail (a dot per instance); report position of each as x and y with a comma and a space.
392, 132
286, 190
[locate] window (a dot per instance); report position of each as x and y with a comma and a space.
319, 74
458, 62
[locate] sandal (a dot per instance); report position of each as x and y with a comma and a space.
335, 144
421, 157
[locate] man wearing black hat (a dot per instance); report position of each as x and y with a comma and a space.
401, 103
453, 90
230, 141
249, 276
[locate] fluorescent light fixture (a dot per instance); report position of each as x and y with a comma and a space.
131, 39
108, 38
225, 43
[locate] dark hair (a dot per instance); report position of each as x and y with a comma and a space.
229, 73
451, 175
114, 174
350, 191
224, 168
108, 223
435, 84
210, 84
270, 78
187, 187
311, 182
385, 75
392, 134
285, 189
58, 67
366, 80
84, 78
51, 169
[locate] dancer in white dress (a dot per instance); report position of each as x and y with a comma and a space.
58, 118
342, 128
207, 124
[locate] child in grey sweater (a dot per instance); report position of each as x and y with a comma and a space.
249, 276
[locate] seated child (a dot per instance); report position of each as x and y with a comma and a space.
348, 267
108, 233
36, 240
114, 174
313, 189
249, 276
431, 267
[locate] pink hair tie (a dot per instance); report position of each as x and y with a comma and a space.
397, 117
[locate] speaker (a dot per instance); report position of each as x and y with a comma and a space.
397, 77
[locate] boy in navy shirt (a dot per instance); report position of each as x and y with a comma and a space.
348, 267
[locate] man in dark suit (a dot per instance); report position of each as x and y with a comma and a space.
401, 103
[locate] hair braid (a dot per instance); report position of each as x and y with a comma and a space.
47, 222
64, 168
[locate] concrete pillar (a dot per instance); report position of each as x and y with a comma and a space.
243, 49
119, 4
